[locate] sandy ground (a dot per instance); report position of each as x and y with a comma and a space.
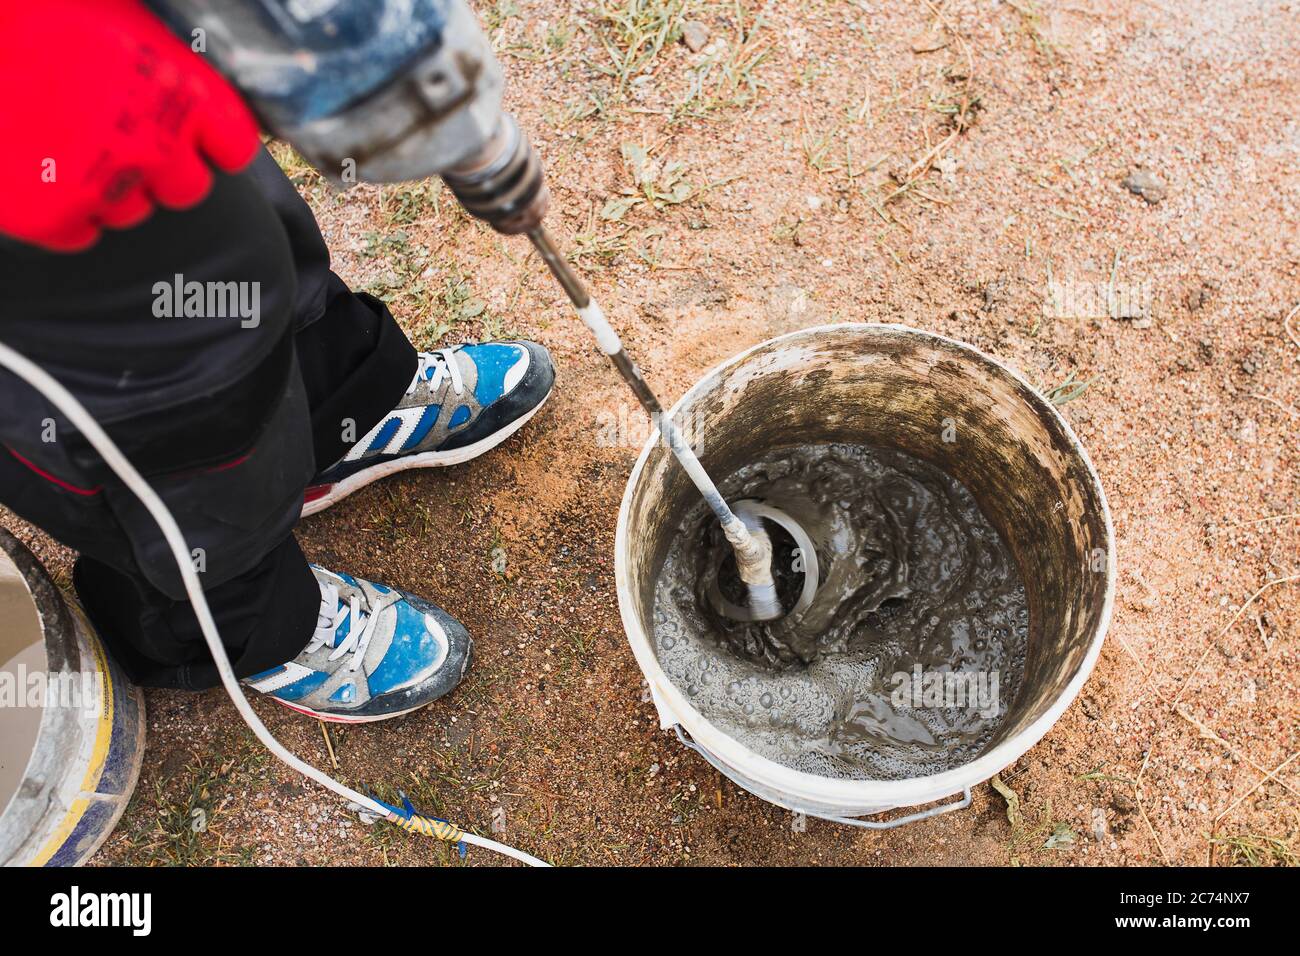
956, 167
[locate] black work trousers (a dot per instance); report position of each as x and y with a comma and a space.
231, 365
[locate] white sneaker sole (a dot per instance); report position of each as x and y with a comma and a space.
428, 459
337, 719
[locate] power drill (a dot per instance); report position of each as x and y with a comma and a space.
393, 90
376, 91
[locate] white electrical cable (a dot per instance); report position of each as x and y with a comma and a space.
84, 422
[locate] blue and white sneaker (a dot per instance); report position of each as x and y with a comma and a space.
461, 402
377, 653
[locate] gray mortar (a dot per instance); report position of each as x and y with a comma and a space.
913, 574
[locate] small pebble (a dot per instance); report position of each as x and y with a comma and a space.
1099, 831
695, 34
1144, 183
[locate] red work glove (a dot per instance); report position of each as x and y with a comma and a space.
107, 114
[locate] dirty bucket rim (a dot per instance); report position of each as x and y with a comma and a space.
878, 794
85, 766
21, 574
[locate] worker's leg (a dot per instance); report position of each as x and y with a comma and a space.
206, 401
438, 408
354, 358
228, 445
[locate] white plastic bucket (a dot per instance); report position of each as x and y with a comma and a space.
938, 399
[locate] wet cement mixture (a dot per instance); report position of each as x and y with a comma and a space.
910, 653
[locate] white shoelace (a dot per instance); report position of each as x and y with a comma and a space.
433, 367
330, 618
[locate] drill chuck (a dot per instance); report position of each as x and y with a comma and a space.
504, 184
